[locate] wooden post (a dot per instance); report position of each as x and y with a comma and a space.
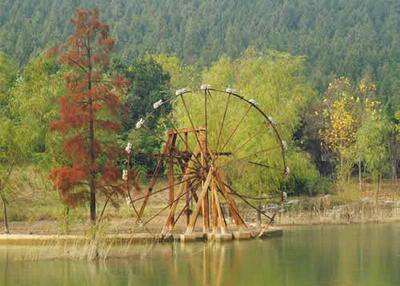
199, 204
214, 210
183, 188
220, 216
171, 195
205, 203
231, 203
170, 222
187, 205
212, 182
206, 213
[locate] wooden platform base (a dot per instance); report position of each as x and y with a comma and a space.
271, 232
26, 239
242, 235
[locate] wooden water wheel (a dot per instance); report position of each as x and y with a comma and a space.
220, 148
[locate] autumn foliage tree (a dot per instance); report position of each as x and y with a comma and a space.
347, 108
88, 114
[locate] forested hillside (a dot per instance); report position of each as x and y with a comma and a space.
344, 37
325, 72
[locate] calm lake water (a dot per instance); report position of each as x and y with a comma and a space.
329, 255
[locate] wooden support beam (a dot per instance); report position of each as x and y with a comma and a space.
206, 213
186, 130
183, 188
205, 203
214, 210
212, 181
171, 196
186, 138
230, 201
199, 204
188, 197
221, 220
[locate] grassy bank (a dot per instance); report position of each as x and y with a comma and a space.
347, 204
36, 209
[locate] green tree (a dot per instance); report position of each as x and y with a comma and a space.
11, 156
373, 144
8, 73
33, 106
181, 75
148, 84
275, 81
9, 150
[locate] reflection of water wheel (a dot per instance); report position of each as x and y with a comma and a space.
215, 159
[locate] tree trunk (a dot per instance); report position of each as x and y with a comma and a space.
393, 155
92, 198
378, 187
359, 175
5, 216
92, 183
65, 229
259, 216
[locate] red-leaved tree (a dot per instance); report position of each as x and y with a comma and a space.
88, 114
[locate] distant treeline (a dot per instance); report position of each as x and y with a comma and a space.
351, 38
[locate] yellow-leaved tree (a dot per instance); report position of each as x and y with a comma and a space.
346, 109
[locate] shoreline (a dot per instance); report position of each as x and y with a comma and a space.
277, 230
324, 210
33, 239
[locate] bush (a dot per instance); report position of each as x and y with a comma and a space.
307, 185
304, 178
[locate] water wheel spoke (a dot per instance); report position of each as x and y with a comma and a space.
189, 195
236, 128
190, 120
162, 189
262, 165
165, 208
206, 94
222, 122
153, 179
241, 159
244, 199
247, 141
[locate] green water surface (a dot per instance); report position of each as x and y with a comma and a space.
318, 255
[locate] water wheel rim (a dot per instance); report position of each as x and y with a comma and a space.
251, 106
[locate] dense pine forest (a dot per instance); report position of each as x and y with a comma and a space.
343, 38
327, 71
